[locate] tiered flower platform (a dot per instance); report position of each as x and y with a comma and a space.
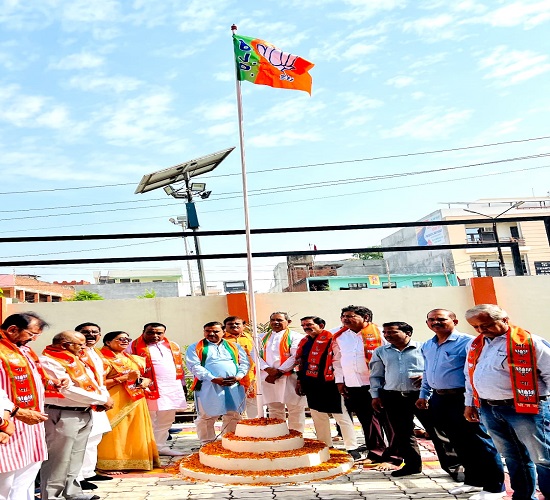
264, 451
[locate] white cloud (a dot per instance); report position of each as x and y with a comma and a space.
353, 103
225, 76
220, 130
139, 121
89, 12
300, 105
216, 111
285, 138
21, 110
431, 28
528, 14
83, 60
431, 124
400, 81
199, 16
418, 95
503, 128
509, 67
358, 11
428, 60
98, 83
358, 68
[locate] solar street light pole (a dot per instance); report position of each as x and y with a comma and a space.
193, 224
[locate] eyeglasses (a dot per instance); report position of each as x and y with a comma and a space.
90, 332
31, 333
124, 340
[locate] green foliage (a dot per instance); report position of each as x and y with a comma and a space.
84, 295
369, 255
149, 294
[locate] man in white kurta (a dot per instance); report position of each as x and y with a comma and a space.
218, 367
277, 361
100, 421
22, 455
164, 366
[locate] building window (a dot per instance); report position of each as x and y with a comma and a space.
156, 281
486, 268
480, 235
422, 284
318, 285
124, 280
135, 281
391, 284
357, 286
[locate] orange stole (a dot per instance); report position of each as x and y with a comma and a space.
320, 345
522, 364
140, 348
122, 365
75, 367
20, 374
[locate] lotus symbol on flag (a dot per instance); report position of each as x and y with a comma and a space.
276, 57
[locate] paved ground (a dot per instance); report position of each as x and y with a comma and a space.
360, 483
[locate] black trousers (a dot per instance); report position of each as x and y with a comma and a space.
473, 446
374, 424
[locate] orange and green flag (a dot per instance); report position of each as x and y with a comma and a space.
262, 63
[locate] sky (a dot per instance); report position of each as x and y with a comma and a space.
94, 95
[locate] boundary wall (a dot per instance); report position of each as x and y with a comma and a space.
525, 298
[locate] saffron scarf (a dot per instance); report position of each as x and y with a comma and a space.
51, 389
202, 352
522, 364
247, 343
75, 367
19, 372
284, 347
140, 348
372, 338
123, 363
320, 345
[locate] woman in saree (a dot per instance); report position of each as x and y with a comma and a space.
130, 445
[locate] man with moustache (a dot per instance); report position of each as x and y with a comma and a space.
508, 386
277, 361
353, 345
442, 392
70, 419
100, 421
234, 328
22, 380
165, 394
218, 367
316, 382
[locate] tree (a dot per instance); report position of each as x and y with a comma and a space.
369, 255
149, 294
85, 295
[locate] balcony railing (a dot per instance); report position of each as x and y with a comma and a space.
491, 239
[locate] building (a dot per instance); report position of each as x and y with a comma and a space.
28, 288
475, 262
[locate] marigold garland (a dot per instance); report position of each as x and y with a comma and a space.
261, 421
291, 434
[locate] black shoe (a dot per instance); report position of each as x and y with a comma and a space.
98, 477
356, 454
86, 485
404, 471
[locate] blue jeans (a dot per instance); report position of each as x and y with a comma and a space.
524, 441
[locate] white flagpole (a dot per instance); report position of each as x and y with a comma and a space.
251, 297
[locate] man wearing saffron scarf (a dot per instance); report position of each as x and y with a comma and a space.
21, 379
316, 382
70, 420
164, 366
234, 328
218, 367
442, 393
100, 421
508, 387
277, 361
353, 345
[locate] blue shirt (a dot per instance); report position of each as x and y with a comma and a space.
392, 369
444, 364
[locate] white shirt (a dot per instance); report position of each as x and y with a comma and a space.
170, 389
349, 362
492, 373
